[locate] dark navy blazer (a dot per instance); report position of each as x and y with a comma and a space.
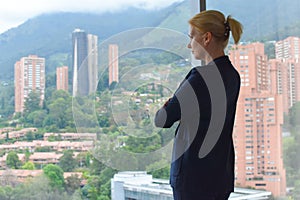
205, 106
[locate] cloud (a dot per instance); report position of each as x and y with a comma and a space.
15, 12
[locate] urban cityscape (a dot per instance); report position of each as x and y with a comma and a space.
269, 88
42, 146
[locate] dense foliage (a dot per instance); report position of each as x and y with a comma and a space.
292, 150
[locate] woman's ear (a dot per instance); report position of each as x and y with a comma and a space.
207, 38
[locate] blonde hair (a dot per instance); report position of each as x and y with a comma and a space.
215, 22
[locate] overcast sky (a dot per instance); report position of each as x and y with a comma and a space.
15, 12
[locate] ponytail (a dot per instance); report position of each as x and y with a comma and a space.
236, 29
215, 22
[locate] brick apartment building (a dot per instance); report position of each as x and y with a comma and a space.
113, 62
29, 76
286, 70
72, 136
259, 117
14, 134
20, 175
62, 80
58, 146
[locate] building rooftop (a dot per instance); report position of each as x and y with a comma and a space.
140, 183
78, 30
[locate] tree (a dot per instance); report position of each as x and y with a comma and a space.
7, 100
59, 94
67, 162
12, 160
296, 192
43, 149
55, 175
103, 120
72, 183
102, 83
8, 178
104, 181
32, 103
37, 117
96, 166
292, 150
294, 114
28, 165
6, 136
112, 85
29, 136
290, 159
142, 145
6, 193
39, 188
83, 159
159, 169
98, 187
27, 155
60, 113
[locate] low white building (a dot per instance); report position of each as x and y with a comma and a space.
138, 185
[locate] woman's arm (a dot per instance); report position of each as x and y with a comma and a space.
167, 115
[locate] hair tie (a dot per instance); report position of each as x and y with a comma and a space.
227, 28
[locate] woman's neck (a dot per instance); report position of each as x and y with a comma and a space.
213, 55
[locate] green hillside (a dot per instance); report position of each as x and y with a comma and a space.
50, 35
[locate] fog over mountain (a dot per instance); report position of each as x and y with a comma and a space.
49, 35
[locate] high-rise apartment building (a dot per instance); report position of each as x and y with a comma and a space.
29, 76
113, 65
257, 131
62, 78
288, 48
85, 62
286, 81
287, 68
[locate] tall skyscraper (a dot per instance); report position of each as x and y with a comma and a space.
62, 78
29, 76
85, 62
257, 131
113, 62
92, 47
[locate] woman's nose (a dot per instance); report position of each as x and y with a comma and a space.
189, 45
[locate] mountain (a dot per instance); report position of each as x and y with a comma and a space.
262, 19
49, 35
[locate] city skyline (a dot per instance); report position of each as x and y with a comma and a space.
266, 122
260, 112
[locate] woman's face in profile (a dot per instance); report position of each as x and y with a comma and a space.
196, 44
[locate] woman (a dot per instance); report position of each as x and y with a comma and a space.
204, 104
